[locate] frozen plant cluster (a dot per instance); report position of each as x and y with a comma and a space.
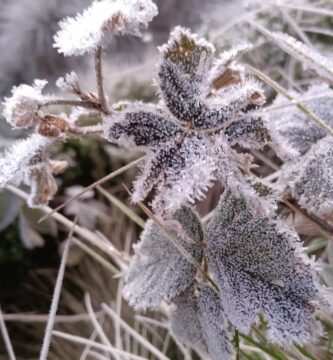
246, 264
93, 27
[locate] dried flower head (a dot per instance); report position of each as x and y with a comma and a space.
96, 25
21, 109
259, 266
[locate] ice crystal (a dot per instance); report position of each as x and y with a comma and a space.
295, 126
307, 55
96, 25
310, 178
181, 160
21, 109
200, 322
259, 266
68, 83
158, 270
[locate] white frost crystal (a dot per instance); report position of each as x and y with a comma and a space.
158, 270
20, 110
96, 25
69, 82
259, 266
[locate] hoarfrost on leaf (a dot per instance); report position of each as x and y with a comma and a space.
259, 266
21, 109
241, 183
199, 321
178, 134
225, 70
96, 25
310, 178
158, 270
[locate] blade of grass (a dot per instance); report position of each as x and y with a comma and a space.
109, 311
55, 298
93, 344
121, 206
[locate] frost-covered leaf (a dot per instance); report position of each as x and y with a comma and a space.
225, 71
183, 172
199, 321
96, 25
16, 160
294, 126
158, 270
251, 133
307, 55
27, 161
214, 323
259, 266
140, 126
310, 178
229, 105
241, 183
185, 323
190, 54
21, 109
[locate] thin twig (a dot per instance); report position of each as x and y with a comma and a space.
92, 186
6, 338
77, 103
56, 297
96, 324
43, 318
99, 80
323, 226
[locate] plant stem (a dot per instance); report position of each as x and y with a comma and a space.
99, 80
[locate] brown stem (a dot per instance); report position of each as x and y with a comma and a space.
323, 226
99, 79
84, 104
